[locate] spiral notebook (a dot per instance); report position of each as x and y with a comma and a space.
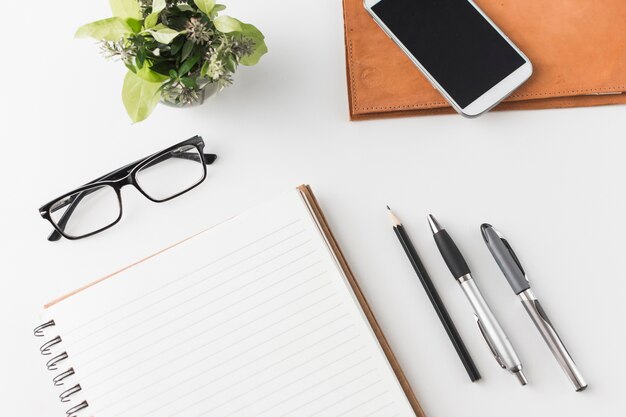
257, 316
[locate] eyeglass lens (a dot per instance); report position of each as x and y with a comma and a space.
86, 211
172, 173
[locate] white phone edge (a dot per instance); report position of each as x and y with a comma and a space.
488, 99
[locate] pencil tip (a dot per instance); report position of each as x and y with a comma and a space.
394, 219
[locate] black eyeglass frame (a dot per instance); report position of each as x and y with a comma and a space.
118, 179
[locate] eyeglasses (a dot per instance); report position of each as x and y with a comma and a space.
97, 205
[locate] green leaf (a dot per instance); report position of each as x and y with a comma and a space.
204, 69
185, 8
141, 57
251, 31
173, 74
158, 6
111, 29
188, 65
140, 97
187, 48
230, 64
260, 48
163, 34
218, 8
134, 24
227, 24
205, 5
148, 75
176, 46
151, 20
126, 9
188, 82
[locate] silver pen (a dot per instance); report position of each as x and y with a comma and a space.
514, 273
490, 329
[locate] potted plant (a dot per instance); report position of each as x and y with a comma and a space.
176, 51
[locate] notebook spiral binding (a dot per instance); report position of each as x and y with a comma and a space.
53, 364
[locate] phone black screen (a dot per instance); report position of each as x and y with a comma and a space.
453, 42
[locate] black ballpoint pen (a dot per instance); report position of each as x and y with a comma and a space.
434, 298
490, 329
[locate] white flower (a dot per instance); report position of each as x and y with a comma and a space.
216, 68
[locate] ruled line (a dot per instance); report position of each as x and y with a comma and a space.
356, 406
201, 332
203, 319
252, 361
297, 380
347, 396
316, 398
170, 297
378, 409
317, 370
221, 350
91, 321
199, 374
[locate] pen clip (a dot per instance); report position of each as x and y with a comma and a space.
509, 250
541, 312
513, 255
489, 343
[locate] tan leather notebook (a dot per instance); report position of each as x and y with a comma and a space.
577, 48
257, 316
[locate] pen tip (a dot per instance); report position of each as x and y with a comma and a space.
484, 230
388, 208
488, 230
434, 224
521, 377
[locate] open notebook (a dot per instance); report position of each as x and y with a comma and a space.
257, 316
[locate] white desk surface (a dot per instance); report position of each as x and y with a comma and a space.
552, 180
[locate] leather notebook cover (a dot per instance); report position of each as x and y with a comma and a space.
577, 48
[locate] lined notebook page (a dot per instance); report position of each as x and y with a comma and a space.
250, 318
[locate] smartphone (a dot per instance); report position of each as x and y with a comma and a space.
461, 52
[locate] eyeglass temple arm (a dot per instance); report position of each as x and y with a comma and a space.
209, 158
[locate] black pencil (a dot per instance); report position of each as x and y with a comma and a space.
434, 298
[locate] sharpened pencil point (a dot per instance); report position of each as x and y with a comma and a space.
394, 219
